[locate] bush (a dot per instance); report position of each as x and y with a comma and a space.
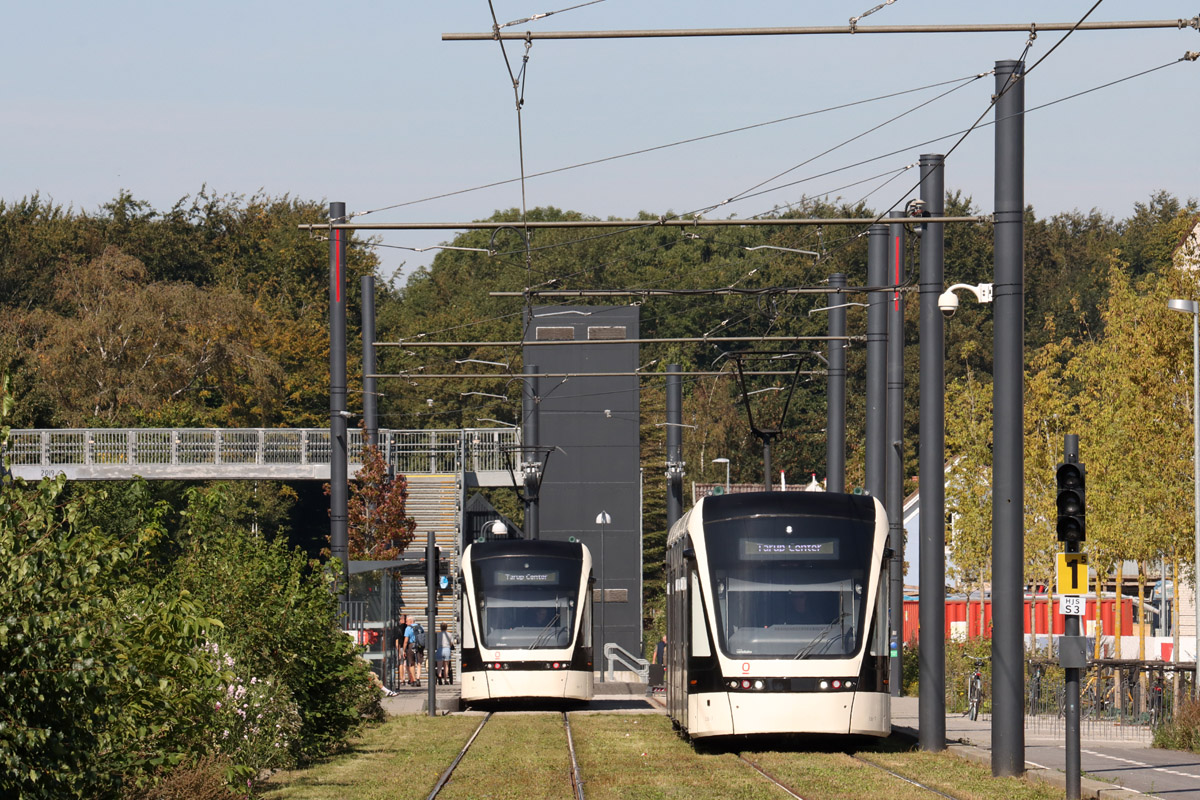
910, 670
960, 663
280, 622
1182, 731
203, 780
99, 682
254, 722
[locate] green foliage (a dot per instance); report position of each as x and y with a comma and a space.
100, 677
1182, 730
960, 663
910, 670
280, 622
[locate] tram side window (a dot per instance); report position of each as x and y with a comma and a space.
698, 635
468, 624
585, 631
879, 639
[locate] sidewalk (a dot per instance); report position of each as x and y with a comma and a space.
610, 697
1128, 766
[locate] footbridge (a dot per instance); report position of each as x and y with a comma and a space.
482, 456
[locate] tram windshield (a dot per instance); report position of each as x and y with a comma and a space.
789, 586
526, 602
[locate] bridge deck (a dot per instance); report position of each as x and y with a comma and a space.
98, 454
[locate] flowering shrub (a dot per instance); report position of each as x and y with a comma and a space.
255, 722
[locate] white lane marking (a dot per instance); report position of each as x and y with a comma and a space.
1174, 772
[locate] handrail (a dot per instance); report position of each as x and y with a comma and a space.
614, 652
231, 449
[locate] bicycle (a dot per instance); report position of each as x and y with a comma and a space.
1035, 687
975, 691
1155, 702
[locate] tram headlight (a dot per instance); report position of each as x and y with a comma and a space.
758, 685
733, 684
823, 684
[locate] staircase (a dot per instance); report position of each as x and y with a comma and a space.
435, 502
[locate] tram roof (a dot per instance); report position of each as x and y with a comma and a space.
826, 504
498, 548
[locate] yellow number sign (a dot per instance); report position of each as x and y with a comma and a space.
1072, 573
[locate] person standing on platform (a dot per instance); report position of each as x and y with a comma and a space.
445, 645
407, 653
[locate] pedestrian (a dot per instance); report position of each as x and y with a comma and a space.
660, 650
445, 645
407, 652
418, 642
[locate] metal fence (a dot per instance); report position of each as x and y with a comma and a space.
1120, 700
473, 449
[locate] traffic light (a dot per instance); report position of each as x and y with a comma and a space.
1070, 478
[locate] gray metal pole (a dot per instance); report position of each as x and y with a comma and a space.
370, 398
674, 445
876, 464
338, 489
894, 482
531, 403
766, 463
1008, 454
932, 656
1196, 481
835, 410
1071, 678
431, 613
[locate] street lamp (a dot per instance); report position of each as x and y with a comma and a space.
724, 461
1191, 307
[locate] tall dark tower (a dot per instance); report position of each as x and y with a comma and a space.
592, 488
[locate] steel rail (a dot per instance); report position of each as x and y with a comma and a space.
437, 787
576, 776
615, 223
669, 33
769, 777
918, 784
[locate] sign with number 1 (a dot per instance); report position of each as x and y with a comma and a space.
1072, 573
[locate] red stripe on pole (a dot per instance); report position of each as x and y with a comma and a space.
337, 263
896, 298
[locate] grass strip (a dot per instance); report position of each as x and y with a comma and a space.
833, 776
516, 757
625, 757
399, 760
964, 779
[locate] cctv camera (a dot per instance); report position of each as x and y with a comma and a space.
948, 303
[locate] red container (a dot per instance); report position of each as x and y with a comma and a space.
1038, 617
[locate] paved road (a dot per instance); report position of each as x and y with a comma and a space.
1108, 754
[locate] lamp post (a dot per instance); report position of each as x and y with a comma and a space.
1193, 308
724, 461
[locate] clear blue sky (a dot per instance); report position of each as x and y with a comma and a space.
363, 102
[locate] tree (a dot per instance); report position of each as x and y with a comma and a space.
378, 526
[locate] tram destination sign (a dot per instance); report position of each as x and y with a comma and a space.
531, 578
792, 549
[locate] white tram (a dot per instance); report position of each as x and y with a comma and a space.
777, 616
526, 621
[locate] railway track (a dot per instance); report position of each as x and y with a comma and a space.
574, 776
866, 762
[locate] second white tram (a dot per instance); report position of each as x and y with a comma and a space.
777, 616
526, 621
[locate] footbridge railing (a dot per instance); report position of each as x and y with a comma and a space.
249, 453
